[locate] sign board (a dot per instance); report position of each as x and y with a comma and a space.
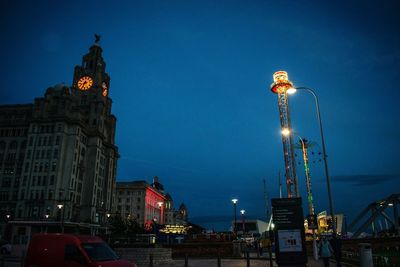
289, 240
289, 232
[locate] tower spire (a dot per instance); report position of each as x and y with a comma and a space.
93, 69
97, 38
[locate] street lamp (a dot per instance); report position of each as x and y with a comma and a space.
234, 201
60, 207
243, 221
160, 205
328, 183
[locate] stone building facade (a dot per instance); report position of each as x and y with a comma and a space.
58, 156
140, 201
147, 203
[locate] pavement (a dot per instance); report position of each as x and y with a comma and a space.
254, 262
236, 263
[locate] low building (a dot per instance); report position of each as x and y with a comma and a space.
251, 227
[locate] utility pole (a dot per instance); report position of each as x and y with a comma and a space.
280, 184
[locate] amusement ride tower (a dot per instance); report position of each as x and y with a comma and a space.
280, 86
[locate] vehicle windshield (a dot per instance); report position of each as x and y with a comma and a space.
99, 252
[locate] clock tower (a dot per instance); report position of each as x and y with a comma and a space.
91, 76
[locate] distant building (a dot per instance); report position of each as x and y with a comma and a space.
147, 203
252, 227
61, 150
181, 215
170, 213
140, 201
324, 222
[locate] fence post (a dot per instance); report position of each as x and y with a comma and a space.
248, 258
186, 260
151, 260
219, 260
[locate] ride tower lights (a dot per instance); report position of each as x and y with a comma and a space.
280, 86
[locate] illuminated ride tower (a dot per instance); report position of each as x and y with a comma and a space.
280, 86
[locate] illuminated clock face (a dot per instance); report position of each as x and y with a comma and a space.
85, 82
105, 89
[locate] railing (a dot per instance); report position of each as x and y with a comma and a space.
390, 258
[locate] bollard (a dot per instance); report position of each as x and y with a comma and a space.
2, 261
151, 260
248, 258
186, 260
219, 260
365, 255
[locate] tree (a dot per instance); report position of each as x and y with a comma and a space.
118, 226
133, 227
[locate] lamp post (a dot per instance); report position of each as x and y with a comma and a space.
243, 221
328, 183
108, 215
234, 201
60, 208
155, 228
271, 228
160, 205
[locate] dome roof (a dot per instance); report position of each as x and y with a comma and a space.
59, 89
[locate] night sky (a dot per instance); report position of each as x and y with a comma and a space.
190, 84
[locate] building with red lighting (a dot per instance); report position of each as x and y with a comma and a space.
140, 201
147, 203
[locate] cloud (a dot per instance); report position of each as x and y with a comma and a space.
365, 180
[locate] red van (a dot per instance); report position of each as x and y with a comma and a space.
68, 250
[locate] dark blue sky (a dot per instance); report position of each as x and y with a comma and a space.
190, 88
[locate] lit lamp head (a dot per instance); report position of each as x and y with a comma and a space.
242, 212
234, 201
60, 206
285, 131
108, 215
160, 204
8, 216
46, 216
291, 90
281, 82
